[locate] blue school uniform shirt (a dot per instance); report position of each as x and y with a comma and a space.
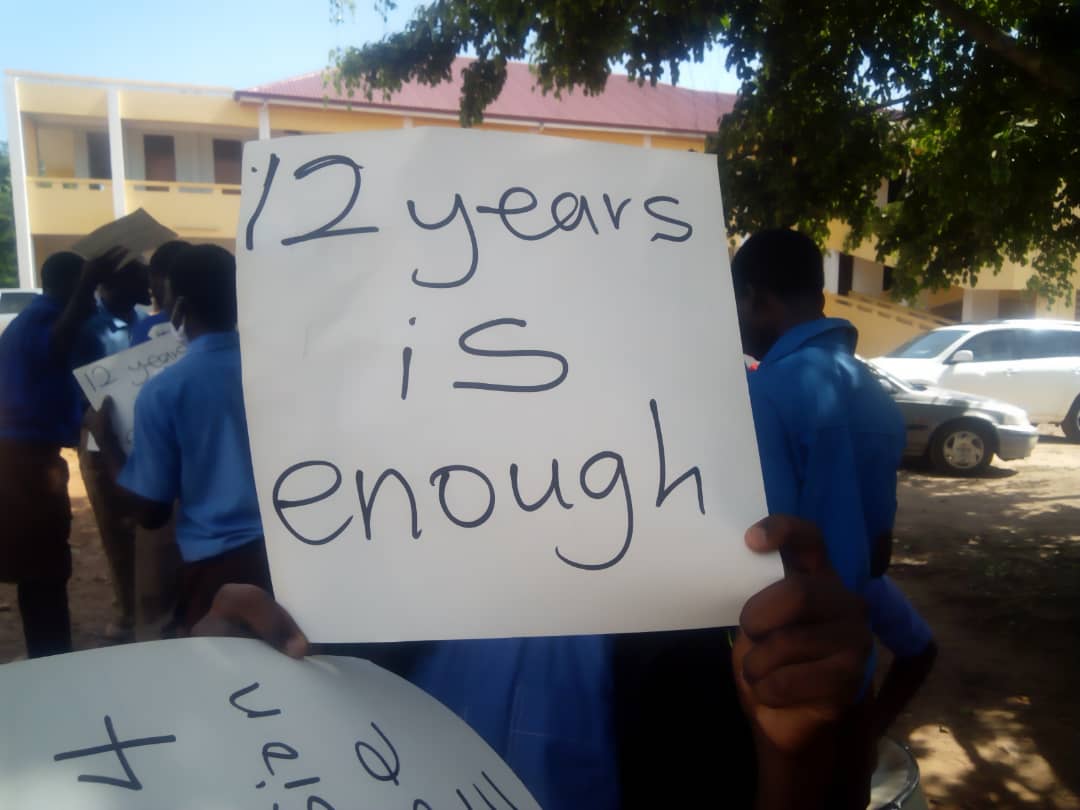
545, 705
39, 398
830, 440
102, 335
191, 444
894, 620
140, 332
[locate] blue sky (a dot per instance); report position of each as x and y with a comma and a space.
230, 43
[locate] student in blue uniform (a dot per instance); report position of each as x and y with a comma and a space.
830, 437
40, 413
157, 323
191, 441
105, 333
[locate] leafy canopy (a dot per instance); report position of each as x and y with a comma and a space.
972, 107
9, 269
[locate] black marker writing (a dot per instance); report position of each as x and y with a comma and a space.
686, 226
662, 489
442, 475
458, 209
616, 214
368, 504
277, 750
406, 363
472, 350
271, 170
115, 746
391, 772
251, 713
326, 230
281, 504
553, 489
618, 475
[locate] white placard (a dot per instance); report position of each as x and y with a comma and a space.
435, 323
138, 232
230, 724
122, 375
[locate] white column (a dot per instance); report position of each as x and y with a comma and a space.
648, 142
832, 271
264, 122
979, 305
116, 155
24, 245
407, 122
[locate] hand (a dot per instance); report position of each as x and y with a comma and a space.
804, 642
248, 611
98, 269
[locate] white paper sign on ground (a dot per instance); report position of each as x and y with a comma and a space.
437, 324
230, 724
122, 375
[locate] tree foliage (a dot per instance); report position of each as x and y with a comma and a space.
972, 107
9, 268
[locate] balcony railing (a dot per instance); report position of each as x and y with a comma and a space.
208, 210
68, 205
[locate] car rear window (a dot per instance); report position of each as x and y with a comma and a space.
929, 344
1040, 343
12, 303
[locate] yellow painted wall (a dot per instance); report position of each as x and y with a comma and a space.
678, 142
61, 99
628, 138
421, 121
881, 327
56, 151
315, 119
190, 209
190, 108
30, 146
72, 207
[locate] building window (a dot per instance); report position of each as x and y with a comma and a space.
227, 157
160, 153
97, 154
845, 274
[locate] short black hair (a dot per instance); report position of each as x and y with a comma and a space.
205, 277
164, 255
60, 272
780, 261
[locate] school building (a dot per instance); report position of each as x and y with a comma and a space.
85, 151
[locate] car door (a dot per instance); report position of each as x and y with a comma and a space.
1048, 371
992, 370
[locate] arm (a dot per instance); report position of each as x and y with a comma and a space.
799, 662
905, 677
150, 514
81, 304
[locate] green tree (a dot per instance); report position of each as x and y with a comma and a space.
972, 107
9, 269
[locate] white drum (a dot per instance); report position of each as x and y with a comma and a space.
895, 783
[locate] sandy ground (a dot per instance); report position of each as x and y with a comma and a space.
993, 564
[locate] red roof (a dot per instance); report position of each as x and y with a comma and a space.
622, 105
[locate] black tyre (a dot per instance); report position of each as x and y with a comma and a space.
1071, 425
964, 447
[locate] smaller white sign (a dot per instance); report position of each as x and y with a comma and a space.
122, 375
231, 724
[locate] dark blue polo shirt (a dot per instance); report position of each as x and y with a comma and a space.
39, 398
103, 335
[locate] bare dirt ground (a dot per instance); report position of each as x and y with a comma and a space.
993, 564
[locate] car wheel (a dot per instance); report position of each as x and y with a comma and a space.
1071, 425
962, 448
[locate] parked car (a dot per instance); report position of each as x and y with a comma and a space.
959, 433
1031, 363
12, 302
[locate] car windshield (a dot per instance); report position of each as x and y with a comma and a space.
929, 344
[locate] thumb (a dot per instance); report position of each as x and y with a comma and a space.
799, 542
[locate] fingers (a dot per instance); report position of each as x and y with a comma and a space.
801, 644
831, 683
107, 406
799, 542
246, 610
799, 599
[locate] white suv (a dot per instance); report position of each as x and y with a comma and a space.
1031, 363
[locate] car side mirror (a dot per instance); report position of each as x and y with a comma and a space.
962, 356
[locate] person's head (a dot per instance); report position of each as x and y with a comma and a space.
60, 275
779, 283
159, 267
201, 283
122, 290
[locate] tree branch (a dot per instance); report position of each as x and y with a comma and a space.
1047, 73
